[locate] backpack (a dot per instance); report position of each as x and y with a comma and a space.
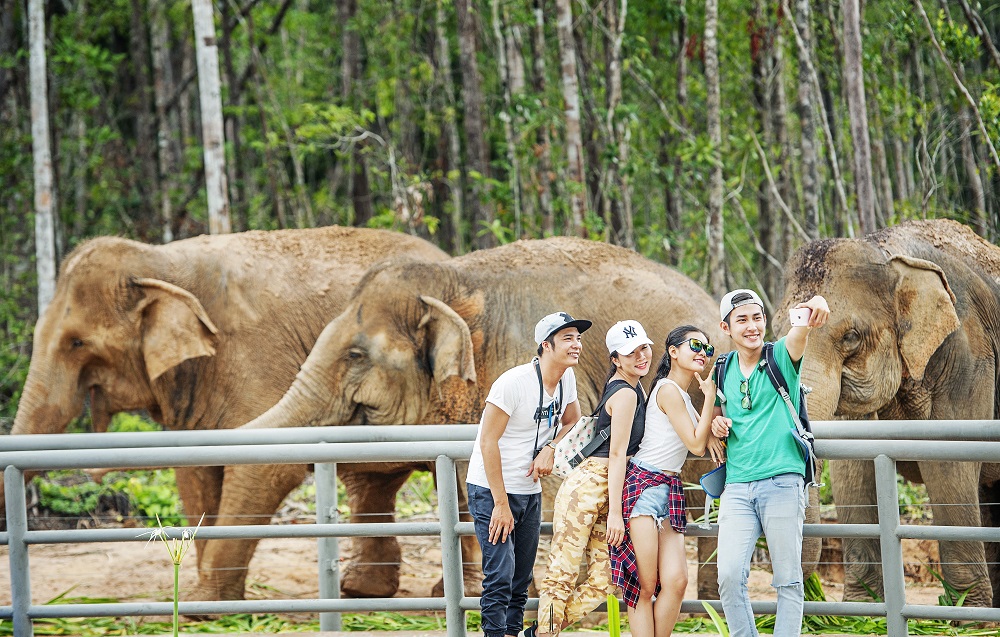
800, 429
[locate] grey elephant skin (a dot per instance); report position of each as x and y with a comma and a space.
204, 333
423, 342
914, 333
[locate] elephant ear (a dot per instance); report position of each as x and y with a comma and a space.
449, 341
925, 310
175, 327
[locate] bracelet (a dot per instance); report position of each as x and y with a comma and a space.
551, 444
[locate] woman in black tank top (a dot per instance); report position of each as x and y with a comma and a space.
588, 508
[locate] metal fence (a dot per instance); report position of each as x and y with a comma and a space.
886, 443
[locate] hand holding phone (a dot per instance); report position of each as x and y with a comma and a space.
799, 316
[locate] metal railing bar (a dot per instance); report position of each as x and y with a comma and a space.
38, 611
235, 437
985, 430
390, 529
348, 452
905, 450
962, 533
951, 613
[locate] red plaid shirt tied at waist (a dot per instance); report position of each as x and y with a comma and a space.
624, 572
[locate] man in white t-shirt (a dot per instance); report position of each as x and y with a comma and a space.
514, 448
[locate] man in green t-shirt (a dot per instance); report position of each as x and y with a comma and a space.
765, 471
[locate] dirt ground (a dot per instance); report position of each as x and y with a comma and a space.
287, 568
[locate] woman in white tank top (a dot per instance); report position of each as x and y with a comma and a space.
652, 561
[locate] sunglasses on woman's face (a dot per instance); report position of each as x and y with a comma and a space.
698, 345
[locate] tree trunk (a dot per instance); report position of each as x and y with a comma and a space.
184, 98
810, 163
542, 136
857, 110
7, 47
768, 229
475, 129
211, 117
163, 86
672, 195
506, 116
979, 221
45, 206
716, 238
515, 57
145, 146
361, 195
575, 173
618, 128
451, 128
231, 122
899, 154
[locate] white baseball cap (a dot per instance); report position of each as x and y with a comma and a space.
625, 336
556, 321
735, 299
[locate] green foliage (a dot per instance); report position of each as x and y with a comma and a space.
148, 493
913, 500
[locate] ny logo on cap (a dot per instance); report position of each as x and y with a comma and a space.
629, 331
566, 317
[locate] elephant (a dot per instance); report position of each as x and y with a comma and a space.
924, 346
204, 333
423, 342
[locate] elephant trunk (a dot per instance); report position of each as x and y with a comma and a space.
37, 413
312, 394
816, 374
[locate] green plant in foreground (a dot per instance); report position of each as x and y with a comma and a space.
177, 548
720, 623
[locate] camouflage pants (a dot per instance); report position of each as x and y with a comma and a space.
579, 530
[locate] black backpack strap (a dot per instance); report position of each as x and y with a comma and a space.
602, 434
720, 376
803, 436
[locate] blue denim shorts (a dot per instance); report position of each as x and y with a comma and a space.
654, 501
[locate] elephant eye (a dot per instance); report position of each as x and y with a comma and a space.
851, 339
77, 343
355, 354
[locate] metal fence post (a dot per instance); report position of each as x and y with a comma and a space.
328, 548
17, 526
893, 581
451, 546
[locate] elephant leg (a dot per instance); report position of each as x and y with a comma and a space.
374, 570
853, 483
250, 495
811, 546
200, 490
953, 489
708, 568
989, 507
472, 557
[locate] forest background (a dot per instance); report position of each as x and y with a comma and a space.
713, 135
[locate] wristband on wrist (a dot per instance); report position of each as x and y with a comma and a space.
551, 445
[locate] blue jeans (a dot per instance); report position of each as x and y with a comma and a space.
776, 507
506, 565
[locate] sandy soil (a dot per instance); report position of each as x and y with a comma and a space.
287, 568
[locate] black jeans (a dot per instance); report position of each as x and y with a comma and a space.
506, 565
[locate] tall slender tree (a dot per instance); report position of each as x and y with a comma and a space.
854, 82
477, 158
507, 117
543, 136
45, 204
713, 108
162, 87
210, 93
361, 195
575, 173
807, 122
451, 129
